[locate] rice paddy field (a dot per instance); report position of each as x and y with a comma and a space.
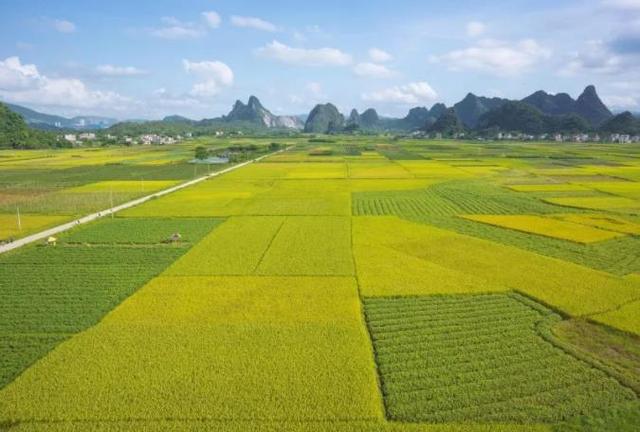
357, 284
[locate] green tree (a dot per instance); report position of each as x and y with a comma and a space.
201, 152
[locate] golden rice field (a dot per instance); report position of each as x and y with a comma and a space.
357, 284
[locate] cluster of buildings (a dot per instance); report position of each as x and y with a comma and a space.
77, 138
579, 137
146, 139
515, 136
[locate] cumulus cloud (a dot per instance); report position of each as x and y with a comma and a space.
379, 56
476, 28
412, 93
212, 76
596, 57
212, 19
63, 26
373, 70
108, 70
175, 29
253, 23
23, 83
496, 57
312, 94
304, 57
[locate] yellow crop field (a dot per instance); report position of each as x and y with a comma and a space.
214, 349
429, 169
235, 248
28, 223
311, 246
549, 227
551, 187
604, 221
597, 203
375, 169
141, 186
624, 189
626, 318
572, 288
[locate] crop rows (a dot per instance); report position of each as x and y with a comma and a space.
450, 198
142, 230
479, 358
49, 293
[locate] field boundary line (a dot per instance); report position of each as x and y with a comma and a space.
110, 211
266, 250
367, 330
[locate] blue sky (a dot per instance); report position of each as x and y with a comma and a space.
147, 59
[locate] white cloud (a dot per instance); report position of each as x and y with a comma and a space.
496, 57
213, 77
412, 93
379, 56
621, 102
119, 71
622, 4
373, 70
475, 28
63, 26
23, 83
254, 23
597, 58
212, 19
176, 29
304, 57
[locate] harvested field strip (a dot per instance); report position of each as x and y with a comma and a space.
459, 371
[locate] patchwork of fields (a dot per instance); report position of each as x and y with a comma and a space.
376, 285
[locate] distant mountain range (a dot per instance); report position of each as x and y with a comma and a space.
538, 113
52, 122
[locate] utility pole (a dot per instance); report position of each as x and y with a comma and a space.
19, 221
111, 199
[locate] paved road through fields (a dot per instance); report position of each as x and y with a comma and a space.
107, 212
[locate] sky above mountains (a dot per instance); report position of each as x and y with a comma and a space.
147, 59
